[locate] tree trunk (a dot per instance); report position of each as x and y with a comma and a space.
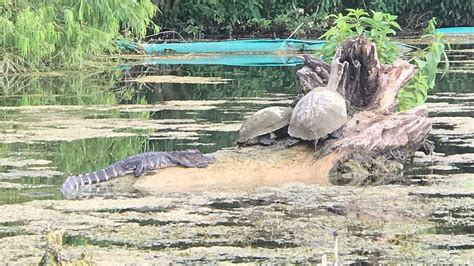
374, 132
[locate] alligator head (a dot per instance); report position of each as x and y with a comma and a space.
193, 157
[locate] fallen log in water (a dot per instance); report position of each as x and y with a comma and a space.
371, 147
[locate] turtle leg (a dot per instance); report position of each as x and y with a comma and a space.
266, 140
290, 142
316, 142
336, 134
427, 147
249, 142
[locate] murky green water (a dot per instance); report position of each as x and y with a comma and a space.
42, 119
54, 126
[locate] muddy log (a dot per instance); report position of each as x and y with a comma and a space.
370, 149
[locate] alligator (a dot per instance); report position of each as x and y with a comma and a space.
138, 164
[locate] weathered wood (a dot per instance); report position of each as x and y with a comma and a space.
315, 73
363, 72
392, 78
395, 136
375, 129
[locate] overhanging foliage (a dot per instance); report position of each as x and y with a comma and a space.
39, 33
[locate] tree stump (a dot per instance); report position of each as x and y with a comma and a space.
376, 138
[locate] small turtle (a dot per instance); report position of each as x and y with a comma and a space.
264, 126
319, 113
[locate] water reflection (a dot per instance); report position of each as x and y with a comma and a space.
245, 82
457, 82
57, 89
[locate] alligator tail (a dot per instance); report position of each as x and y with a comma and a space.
77, 181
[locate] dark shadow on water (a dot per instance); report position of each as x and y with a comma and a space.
450, 147
453, 114
423, 171
225, 204
145, 209
445, 126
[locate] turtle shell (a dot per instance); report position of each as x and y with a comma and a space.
317, 114
264, 121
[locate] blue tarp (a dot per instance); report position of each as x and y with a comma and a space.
259, 53
239, 47
275, 52
252, 46
235, 46
456, 30
229, 60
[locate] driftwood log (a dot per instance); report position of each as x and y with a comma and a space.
372, 145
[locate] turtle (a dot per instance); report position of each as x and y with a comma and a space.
319, 113
264, 126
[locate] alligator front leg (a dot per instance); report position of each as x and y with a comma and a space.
139, 167
136, 166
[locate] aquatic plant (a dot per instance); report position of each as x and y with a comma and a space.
377, 27
426, 61
54, 252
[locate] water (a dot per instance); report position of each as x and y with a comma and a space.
62, 124
57, 125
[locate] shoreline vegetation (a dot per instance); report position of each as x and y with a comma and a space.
277, 18
69, 35
45, 51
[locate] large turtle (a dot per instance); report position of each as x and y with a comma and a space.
264, 126
320, 112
